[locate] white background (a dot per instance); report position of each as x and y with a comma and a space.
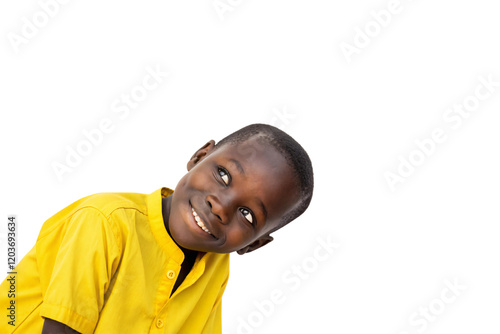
247, 65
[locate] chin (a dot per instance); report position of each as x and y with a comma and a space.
182, 239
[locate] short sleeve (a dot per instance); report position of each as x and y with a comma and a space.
80, 257
214, 322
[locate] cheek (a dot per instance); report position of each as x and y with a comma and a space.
238, 237
180, 188
196, 179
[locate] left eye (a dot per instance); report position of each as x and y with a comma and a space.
247, 214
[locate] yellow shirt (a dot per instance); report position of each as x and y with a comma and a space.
106, 264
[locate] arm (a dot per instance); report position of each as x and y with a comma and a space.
54, 327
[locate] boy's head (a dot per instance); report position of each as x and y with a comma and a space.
238, 191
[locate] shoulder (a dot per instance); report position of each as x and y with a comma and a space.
95, 209
108, 202
217, 265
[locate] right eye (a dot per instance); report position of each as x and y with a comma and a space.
224, 175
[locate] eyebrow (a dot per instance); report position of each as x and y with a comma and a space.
263, 210
238, 166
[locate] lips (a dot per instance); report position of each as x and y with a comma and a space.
201, 224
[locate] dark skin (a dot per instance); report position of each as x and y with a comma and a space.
239, 192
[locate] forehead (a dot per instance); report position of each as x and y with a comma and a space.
262, 172
257, 159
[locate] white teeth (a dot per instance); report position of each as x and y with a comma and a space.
200, 222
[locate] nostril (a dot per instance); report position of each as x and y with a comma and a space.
210, 205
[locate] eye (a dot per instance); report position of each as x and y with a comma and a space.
224, 175
247, 214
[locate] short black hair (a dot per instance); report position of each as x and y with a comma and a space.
295, 155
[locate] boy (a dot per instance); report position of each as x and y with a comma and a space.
159, 263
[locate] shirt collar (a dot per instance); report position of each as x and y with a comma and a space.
158, 226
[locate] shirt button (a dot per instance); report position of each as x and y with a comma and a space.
170, 274
159, 323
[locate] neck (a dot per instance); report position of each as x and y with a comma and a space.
189, 255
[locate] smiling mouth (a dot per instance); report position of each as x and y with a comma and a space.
200, 222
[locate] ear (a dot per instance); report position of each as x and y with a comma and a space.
200, 154
262, 241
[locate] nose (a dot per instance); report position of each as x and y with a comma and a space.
217, 208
